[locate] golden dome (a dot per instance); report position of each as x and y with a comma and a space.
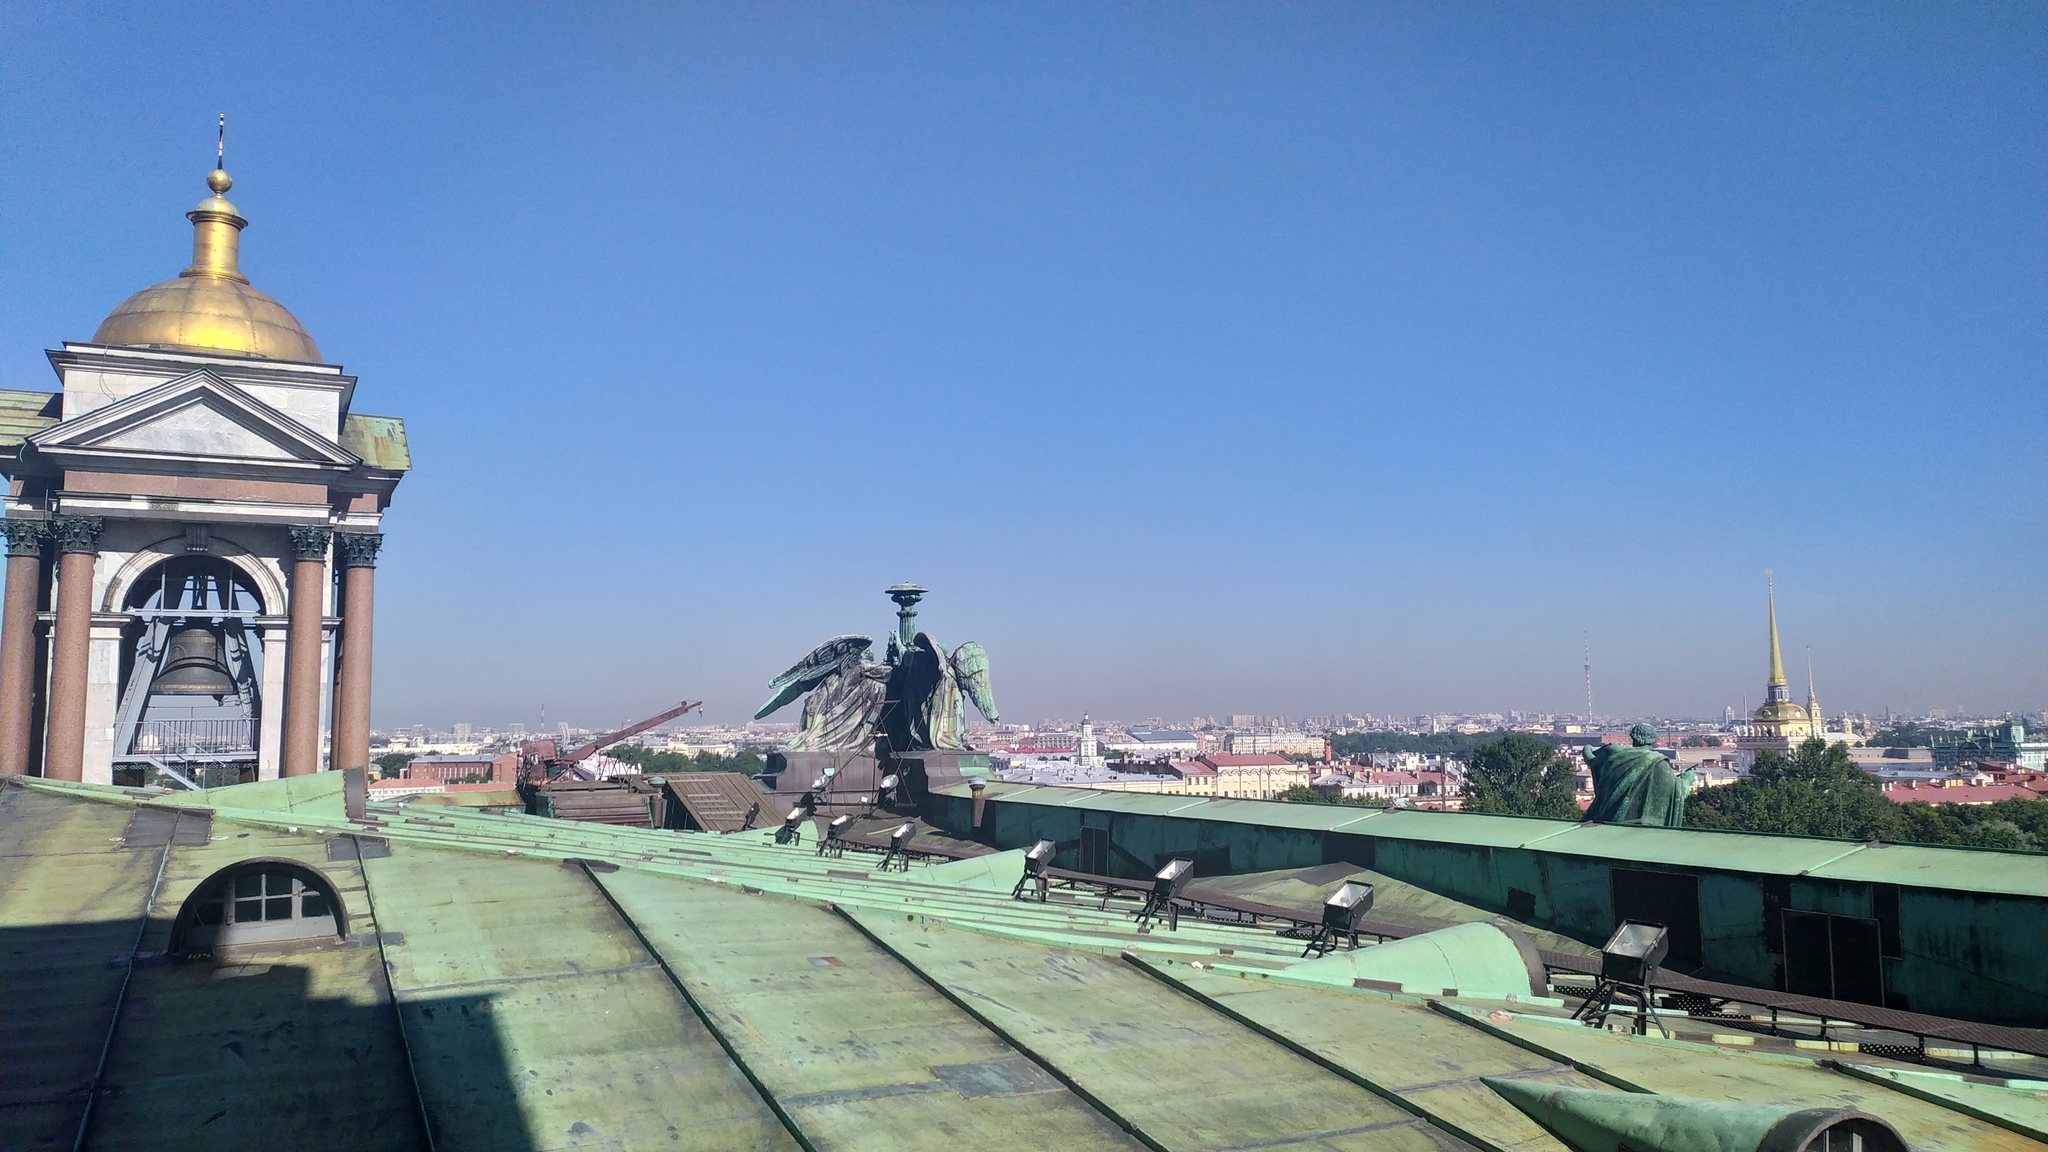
210, 307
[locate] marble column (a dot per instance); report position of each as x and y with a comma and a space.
302, 650
77, 539
270, 734
357, 552
18, 640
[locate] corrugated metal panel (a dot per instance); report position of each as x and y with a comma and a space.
717, 801
379, 440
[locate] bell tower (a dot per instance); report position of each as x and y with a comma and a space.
192, 524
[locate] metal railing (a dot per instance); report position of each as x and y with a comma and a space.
193, 737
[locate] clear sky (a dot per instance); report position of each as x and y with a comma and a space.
1199, 358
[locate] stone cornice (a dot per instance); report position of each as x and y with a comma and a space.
358, 549
309, 542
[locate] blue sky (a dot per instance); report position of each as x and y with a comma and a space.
1200, 358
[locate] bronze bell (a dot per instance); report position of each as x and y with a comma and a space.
194, 666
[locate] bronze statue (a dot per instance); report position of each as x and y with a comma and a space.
1636, 784
916, 699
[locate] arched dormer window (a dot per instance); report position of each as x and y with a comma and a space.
259, 902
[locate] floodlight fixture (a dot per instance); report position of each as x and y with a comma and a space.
834, 842
753, 814
887, 789
890, 782
1166, 887
899, 847
1634, 952
818, 783
1628, 968
1037, 859
1342, 911
792, 830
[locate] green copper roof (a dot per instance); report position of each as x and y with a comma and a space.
513, 982
379, 440
23, 414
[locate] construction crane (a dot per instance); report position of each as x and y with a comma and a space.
540, 761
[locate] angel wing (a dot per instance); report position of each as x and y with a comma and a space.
808, 672
970, 668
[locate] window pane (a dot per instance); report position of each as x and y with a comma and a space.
209, 913
277, 883
277, 908
313, 903
249, 884
247, 911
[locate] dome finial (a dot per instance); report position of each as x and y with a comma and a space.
218, 179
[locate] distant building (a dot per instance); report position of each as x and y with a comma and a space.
2006, 743
499, 769
1779, 724
1156, 744
1248, 743
1087, 752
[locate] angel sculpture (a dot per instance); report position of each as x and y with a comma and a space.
918, 700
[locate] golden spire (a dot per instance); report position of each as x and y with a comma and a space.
1777, 661
1812, 702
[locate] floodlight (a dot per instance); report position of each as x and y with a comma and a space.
1628, 968
1037, 859
890, 782
832, 844
1634, 951
1347, 906
1168, 881
1342, 910
1166, 885
817, 784
830, 772
899, 841
792, 830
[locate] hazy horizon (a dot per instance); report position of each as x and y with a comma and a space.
1200, 360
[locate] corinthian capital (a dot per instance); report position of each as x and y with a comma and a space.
25, 537
309, 542
77, 533
358, 549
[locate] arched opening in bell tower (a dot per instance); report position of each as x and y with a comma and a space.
191, 702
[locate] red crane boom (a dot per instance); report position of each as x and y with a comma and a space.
538, 760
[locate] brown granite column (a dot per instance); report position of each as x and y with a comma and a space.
18, 640
78, 543
357, 552
302, 651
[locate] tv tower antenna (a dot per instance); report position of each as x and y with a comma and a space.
1588, 638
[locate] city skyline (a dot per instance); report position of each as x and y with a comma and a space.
1291, 362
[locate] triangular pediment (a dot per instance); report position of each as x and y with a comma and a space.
195, 418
